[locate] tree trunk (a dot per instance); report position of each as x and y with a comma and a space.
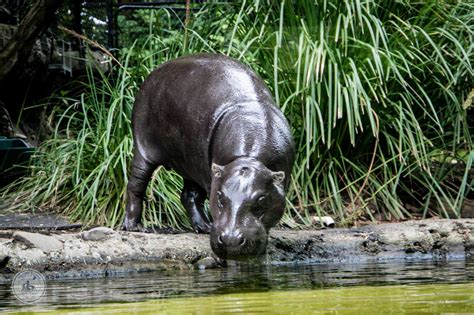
31, 27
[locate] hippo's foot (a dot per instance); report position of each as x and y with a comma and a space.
131, 226
202, 227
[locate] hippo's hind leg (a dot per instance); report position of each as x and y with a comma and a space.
136, 188
192, 198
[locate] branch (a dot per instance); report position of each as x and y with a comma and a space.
90, 42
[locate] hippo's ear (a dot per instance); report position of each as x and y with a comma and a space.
278, 177
217, 170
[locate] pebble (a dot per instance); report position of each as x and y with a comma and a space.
97, 234
206, 263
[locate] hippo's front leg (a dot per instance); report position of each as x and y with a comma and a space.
192, 198
136, 188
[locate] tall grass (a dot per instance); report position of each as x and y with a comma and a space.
82, 171
373, 92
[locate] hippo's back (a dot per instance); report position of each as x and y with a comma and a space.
182, 103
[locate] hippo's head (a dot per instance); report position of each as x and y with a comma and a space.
246, 200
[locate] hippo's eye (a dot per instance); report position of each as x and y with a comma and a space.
260, 206
219, 199
261, 200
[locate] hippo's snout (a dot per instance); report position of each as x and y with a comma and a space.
238, 245
229, 239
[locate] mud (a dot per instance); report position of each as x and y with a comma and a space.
103, 252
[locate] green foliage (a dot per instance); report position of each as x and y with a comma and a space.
374, 93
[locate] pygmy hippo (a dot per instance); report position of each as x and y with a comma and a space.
214, 122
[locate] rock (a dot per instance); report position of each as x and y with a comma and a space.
324, 221
44, 242
6, 32
467, 211
97, 234
4, 261
206, 263
6, 124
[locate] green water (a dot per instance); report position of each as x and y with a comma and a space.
375, 288
414, 299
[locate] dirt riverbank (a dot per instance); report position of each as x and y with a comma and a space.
103, 252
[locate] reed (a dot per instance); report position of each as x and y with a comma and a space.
374, 92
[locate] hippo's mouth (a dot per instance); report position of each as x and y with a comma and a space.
253, 248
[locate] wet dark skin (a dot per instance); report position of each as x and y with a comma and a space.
214, 122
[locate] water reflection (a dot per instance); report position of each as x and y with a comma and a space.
240, 279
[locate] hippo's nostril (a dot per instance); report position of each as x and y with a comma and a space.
231, 241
